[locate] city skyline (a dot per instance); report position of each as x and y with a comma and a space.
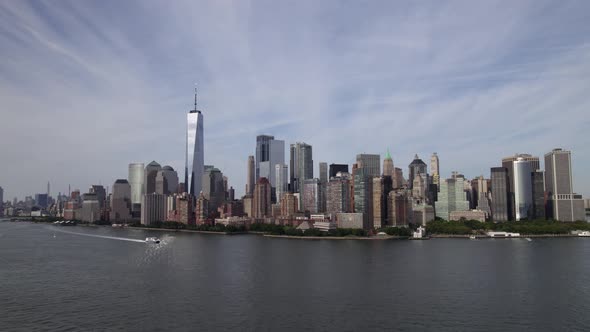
97, 111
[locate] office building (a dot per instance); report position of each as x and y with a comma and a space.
90, 210
136, 180
508, 163
120, 201
202, 210
363, 195
153, 209
250, 174
338, 194
435, 169
422, 214
417, 166
184, 206
281, 176
301, 167
311, 195
212, 188
323, 184
167, 181
101, 195
42, 200
563, 203
247, 202
451, 197
2, 202
538, 181
501, 207
288, 205
151, 171
398, 178
261, 203
388, 168
523, 194
399, 209
381, 188
351, 220
269, 152
370, 162
195, 153
335, 168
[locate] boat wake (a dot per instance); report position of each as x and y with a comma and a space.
101, 236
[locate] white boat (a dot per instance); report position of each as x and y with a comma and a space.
152, 240
584, 233
472, 237
528, 239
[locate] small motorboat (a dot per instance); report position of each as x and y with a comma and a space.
152, 240
472, 237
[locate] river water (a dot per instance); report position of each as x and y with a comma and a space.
98, 278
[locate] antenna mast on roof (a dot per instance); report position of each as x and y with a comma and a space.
195, 96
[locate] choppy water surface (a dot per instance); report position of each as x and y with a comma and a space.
97, 278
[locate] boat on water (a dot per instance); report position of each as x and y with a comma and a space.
152, 240
584, 233
528, 239
472, 237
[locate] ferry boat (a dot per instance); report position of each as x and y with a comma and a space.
584, 233
152, 240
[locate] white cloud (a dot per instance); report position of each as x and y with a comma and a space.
87, 89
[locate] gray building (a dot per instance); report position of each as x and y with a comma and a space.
301, 167
153, 209
121, 201
417, 166
250, 173
563, 203
500, 203
166, 181
213, 188
370, 162
90, 210
151, 171
538, 181
281, 176
452, 197
363, 195
269, 152
312, 191
338, 195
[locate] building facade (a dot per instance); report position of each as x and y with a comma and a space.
523, 189
451, 197
301, 165
121, 201
370, 162
153, 209
563, 203
417, 166
195, 151
261, 204
500, 203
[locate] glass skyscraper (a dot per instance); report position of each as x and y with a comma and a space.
195, 156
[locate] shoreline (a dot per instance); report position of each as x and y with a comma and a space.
362, 238
365, 238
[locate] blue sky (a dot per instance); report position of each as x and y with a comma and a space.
87, 87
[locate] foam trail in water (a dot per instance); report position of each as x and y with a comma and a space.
102, 236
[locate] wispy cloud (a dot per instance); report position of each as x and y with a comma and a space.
87, 87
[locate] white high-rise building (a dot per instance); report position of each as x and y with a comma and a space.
563, 203
136, 181
195, 156
523, 188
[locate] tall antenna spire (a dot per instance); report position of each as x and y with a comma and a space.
195, 96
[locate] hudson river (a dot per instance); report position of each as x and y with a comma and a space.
87, 278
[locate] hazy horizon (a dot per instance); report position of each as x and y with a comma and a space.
88, 87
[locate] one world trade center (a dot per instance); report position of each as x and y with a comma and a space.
194, 151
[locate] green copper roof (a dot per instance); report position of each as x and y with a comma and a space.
387, 155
